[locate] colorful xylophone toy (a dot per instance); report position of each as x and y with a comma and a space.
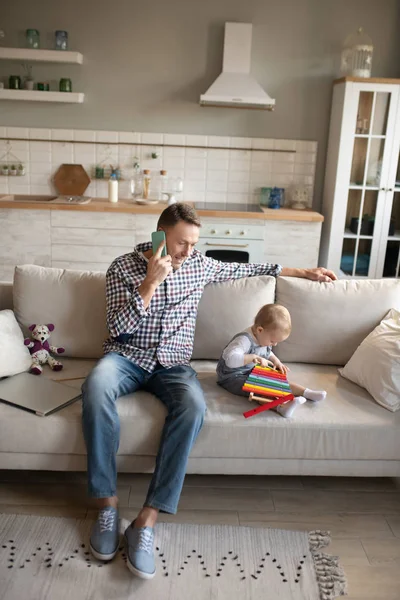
271, 386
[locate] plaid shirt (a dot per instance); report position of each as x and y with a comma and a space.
164, 332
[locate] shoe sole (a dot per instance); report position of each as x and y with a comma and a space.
102, 556
138, 573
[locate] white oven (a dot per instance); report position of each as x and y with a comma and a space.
232, 242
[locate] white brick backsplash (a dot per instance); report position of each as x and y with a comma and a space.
239, 165
14, 188
306, 157
196, 153
173, 138
173, 163
195, 163
152, 138
214, 154
208, 173
174, 152
83, 135
18, 132
239, 176
218, 164
195, 174
39, 147
244, 155
219, 141
196, 140
62, 134
194, 186
194, 197
216, 186
40, 134
216, 197
107, 136
237, 198
285, 144
241, 142
128, 137
238, 187
217, 175
40, 167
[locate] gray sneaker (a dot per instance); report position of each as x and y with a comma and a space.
140, 551
104, 539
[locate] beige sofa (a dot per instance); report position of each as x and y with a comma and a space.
348, 434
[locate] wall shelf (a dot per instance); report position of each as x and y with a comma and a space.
29, 54
35, 96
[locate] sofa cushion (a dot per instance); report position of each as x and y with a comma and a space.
330, 320
375, 365
227, 308
347, 425
14, 355
74, 301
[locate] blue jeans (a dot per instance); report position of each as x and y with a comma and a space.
178, 389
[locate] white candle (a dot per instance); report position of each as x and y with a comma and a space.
113, 190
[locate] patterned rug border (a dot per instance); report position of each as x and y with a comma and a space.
329, 574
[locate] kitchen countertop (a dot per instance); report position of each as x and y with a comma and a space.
128, 206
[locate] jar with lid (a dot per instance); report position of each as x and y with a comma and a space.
356, 58
146, 183
33, 38
61, 40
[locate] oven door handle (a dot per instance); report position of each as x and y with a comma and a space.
227, 245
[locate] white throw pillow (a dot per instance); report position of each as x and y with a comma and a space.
14, 356
375, 365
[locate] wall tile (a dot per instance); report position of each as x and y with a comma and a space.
84, 135
196, 153
244, 155
129, 137
216, 186
39, 147
285, 145
218, 164
241, 142
238, 187
194, 186
239, 176
194, 196
195, 163
152, 138
195, 174
4, 185
107, 136
40, 167
213, 154
18, 132
3, 132
196, 140
173, 138
39, 134
236, 198
173, 163
305, 157
219, 141
221, 175
62, 134
38, 190
239, 165
216, 197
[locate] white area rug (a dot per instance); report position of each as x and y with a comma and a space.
45, 558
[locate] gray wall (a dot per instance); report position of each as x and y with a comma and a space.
146, 63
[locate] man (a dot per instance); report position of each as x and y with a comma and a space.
151, 313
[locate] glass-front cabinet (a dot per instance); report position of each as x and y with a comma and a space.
361, 233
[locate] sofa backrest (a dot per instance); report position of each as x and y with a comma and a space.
330, 320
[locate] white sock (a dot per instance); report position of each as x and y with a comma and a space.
314, 395
286, 410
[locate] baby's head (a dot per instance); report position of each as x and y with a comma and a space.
272, 325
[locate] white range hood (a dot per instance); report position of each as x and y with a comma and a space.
235, 87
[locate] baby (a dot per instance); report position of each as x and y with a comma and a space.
272, 325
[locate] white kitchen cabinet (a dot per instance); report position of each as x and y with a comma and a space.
361, 232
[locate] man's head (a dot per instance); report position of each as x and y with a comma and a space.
182, 228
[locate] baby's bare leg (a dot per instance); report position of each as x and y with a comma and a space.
297, 390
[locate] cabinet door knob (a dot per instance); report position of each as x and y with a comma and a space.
242, 232
228, 232
382, 190
390, 190
213, 231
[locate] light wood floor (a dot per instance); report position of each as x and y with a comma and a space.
363, 515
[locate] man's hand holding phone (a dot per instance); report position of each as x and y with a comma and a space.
159, 267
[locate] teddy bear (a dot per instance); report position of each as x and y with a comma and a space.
40, 349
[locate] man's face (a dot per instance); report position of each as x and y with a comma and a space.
181, 239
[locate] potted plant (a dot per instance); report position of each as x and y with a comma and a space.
13, 170
4, 170
21, 169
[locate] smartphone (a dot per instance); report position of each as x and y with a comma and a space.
157, 237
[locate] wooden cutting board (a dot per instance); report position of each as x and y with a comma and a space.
71, 180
